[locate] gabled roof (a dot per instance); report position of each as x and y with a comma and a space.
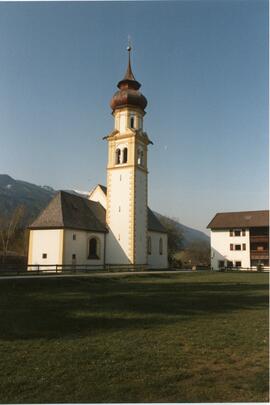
103, 188
98, 186
71, 211
244, 219
154, 224
75, 212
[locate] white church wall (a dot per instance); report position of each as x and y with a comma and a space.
220, 248
99, 196
76, 242
141, 217
119, 216
155, 259
45, 247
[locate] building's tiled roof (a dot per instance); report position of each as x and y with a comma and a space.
71, 211
75, 212
244, 219
154, 223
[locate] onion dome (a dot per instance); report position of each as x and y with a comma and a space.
128, 94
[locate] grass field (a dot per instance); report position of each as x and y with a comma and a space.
146, 338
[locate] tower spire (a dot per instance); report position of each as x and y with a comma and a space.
129, 74
129, 78
128, 93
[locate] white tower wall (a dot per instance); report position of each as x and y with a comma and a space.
122, 120
127, 190
119, 206
140, 231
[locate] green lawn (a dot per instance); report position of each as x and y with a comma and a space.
146, 338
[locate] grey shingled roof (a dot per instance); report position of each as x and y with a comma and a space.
75, 212
71, 211
153, 223
243, 219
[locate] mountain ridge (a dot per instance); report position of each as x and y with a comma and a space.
35, 198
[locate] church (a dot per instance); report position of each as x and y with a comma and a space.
113, 226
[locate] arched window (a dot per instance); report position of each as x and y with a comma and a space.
140, 157
149, 245
93, 248
132, 122
117, 156
160, 246
125, 155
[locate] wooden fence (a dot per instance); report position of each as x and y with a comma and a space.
68, 268
10, 269
247, 269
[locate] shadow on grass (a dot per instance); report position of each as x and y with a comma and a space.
53, 308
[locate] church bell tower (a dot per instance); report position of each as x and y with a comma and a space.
127, 173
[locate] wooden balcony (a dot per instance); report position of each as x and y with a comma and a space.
259, 238
259, 254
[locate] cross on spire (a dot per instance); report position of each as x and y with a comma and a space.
128, 94
129, 74
129, 44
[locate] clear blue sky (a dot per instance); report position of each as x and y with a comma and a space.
203, 66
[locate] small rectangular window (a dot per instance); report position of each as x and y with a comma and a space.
161, 246
149, 245
231, 246
231, 232
74, 236
237, 247
243, 246
221, 264
243, 232
238, 264
229, 264
44, 255
237, 232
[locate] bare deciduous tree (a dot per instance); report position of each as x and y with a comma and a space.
197, 253
175, 237
8, 226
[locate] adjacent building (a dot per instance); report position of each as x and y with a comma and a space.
114, 226
240, 239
